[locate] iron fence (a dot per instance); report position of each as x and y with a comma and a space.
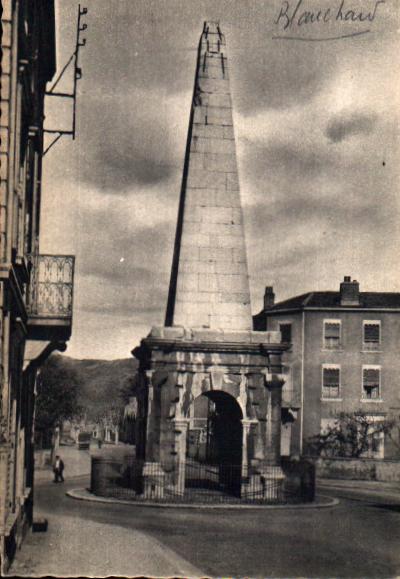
51, 287
195, 482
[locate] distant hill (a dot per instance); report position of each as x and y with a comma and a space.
101, 382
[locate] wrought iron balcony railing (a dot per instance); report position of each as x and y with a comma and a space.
51, 288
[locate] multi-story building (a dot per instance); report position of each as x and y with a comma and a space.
35, 290
343, 358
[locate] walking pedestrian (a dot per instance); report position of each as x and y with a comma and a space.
58, 470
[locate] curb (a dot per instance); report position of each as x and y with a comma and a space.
84, 495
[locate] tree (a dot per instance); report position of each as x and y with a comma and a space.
350, 435
112, 415
57, 396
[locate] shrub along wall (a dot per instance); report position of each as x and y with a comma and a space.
359, 469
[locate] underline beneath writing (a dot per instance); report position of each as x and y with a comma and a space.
328, 38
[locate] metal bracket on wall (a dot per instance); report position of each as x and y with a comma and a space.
74, 58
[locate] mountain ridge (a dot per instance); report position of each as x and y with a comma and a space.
101, 383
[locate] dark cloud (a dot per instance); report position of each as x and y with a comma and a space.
343, 127
288, 171
132, 275
280, 76
123, 147
142, 301
131, 254
290, 158
117, 172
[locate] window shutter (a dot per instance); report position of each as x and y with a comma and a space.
331, 376
332, 330
371, 332
371, 377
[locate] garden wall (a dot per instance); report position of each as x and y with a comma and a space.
359, 469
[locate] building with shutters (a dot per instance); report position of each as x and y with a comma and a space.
343, 358
35, 289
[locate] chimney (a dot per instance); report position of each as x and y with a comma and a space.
269, 297
349, 292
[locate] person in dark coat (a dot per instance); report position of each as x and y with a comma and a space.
58, 470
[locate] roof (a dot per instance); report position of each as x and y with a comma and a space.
372, 300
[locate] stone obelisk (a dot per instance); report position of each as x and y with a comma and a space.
209, 285
207, 346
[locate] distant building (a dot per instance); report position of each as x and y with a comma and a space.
344, 357
35, 289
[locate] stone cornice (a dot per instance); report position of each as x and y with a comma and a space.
165, 345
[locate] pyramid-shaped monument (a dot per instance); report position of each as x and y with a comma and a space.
210, 387
209, 282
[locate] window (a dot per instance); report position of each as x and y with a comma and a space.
286, 332
371, 335
371, 379
332, 330
330, 381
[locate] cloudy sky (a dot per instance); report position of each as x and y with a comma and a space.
316, 125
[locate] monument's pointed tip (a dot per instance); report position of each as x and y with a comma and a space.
210, 23
209, 281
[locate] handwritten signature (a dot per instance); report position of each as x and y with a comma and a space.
293, 15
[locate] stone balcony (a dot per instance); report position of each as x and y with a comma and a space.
50, 297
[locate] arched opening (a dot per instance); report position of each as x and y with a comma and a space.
215, 440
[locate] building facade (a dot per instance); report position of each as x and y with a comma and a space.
343, 358
35, 289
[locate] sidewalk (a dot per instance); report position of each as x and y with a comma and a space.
74, 547
362, 484
374, 490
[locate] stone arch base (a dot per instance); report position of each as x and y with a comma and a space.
177, 366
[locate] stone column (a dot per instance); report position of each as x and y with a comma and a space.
246, 424
273, 450
271, 474
180, 428
149, 451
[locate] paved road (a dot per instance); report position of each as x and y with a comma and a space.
357, 538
